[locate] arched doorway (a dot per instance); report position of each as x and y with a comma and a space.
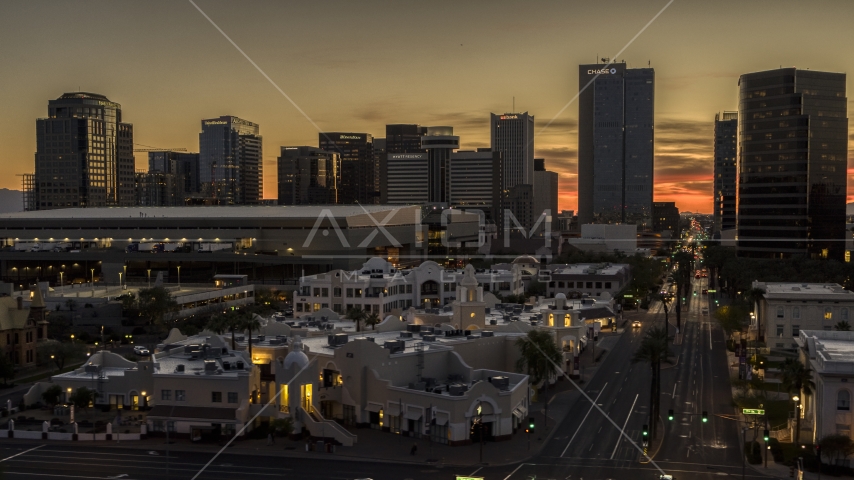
482, 423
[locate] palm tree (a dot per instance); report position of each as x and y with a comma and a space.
357, 315
540, 356
249, 321
664, 298
843, 326
756, 295
223, 322
798, 381
373, 320
653, 349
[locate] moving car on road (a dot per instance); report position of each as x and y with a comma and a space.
636, 324
140, 350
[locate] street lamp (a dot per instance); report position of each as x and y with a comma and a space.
93, 280
149, 278
61, 283
120, 281
179, 277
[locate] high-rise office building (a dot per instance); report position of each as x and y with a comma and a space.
184, 164
512, 135
307, 176
545, 190
615, 143
230, 161
726, 152
792, 163
357, 179
475, 180
159, 189
84, 155
439, 143
404, 138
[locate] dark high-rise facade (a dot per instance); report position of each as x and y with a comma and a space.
665, 216
230, 161
615, 143
792, 162
439, 143
307, 176
404, 138
357, 168
512, 135
183, 164
726, 152
84, 155
545, 190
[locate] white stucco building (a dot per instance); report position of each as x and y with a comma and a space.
788, 308
830, 357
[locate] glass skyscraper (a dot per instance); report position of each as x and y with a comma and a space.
230, 161
726, 152
357, 170
512, 135
84, 155
792, 163
616, 109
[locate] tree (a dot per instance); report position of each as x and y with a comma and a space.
730, 317
81, 398
156, 306
540, 356
653, 350
843, 326
52, 395
60, 353
836, 448
225, 322
536, 288
357, 315
7, 368
266, 301
249, 321
372, 320
798, 381
282, 426
756, 295
71, 304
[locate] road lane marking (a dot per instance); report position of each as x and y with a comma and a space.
472, 473
672, 395
623, 431
19, 454
514, 471
582, 421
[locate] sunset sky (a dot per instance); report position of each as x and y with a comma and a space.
356, 66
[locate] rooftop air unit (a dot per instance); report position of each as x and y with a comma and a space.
395, 346
457, 389
239, 364
501, 383
487, 333
405, 334
179, 368
428, 338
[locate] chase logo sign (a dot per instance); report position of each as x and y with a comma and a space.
602, 71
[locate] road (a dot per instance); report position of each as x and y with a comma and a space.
587, 445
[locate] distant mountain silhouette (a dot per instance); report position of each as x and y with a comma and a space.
11, 201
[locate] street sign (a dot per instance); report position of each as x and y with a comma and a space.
469, 478
628, 296
712, 290
753, 411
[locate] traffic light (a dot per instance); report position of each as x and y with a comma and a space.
531, 425
767, 436
645, 431
670, 414
705, 417
818, 452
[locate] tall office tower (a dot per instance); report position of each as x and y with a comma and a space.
230, 161
545, 190
512, 135
792, 162
307, 176
357, 182
405, 179
439, 143
615, 143
726, 152
84, 154
519, 201
184, 164
404, 138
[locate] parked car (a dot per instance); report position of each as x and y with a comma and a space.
140, 350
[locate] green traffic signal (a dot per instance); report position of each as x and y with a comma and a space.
766, 436
705, 417
670, 415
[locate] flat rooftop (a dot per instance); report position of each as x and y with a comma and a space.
585, 268
812, 290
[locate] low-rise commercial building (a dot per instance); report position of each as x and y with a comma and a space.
788, 308
591, 279
829, 355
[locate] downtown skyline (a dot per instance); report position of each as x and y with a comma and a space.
355, 79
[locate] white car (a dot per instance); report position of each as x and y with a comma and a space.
140, 350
